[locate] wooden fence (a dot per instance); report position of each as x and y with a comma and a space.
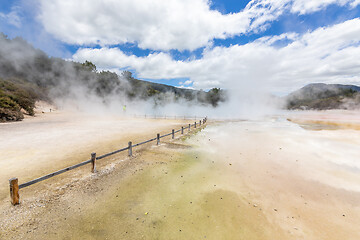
159, 116
15, 187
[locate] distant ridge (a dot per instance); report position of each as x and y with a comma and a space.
327, 87
321, 96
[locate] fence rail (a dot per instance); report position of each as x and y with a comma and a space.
14, 186
176, 117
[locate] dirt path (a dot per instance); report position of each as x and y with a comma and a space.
273, 180
37, 146
168, 192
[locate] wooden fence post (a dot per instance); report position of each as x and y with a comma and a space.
158, 139
182, 130
14, 191
189, 127
195, 124
173, 134
93, 162
130, 149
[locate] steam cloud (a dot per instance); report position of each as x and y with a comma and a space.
75, 86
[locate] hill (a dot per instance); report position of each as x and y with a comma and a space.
28, 74
320, 96
17, 97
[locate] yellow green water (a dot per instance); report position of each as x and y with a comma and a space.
179, 199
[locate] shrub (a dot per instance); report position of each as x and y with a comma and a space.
16, 94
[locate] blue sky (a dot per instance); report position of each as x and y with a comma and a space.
198, 43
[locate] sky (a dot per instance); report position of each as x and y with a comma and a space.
280, 45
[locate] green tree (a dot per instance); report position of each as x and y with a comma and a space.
127, 74
89, 66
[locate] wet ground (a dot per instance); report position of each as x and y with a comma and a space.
263, 179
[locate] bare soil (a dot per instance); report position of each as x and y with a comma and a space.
268, 179
57, 139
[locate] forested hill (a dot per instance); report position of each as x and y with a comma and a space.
320, 96
28, 74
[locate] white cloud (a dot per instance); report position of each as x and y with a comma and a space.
186, 87
327, 55
12, 17
355, 3
159, 24
188, 82
309, 6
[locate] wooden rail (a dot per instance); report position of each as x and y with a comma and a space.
15, 187
167, 117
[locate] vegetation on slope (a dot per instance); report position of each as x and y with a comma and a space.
28, 74
325, 97
18, 97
